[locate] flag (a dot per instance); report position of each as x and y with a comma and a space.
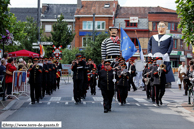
140, 51
42, 52
127, 46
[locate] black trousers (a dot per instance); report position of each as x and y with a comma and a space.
122, 93
44, 87
93, 88
107, 98
78, 89
153, 93
35, 91
9, 88
148, 90
58, 81
159, 92
131, 83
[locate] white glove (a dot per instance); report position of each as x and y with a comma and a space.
150, 55
158, 68
122, 72
166, 57
114, 80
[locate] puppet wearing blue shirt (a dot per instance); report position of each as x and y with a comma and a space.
162, 43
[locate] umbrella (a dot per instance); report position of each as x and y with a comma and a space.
24, 53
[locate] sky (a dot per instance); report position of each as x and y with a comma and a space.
138, 3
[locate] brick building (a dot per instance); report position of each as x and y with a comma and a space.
145, 24
50, 13
103, 10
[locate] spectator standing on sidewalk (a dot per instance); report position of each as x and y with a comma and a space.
9, 75
182, 70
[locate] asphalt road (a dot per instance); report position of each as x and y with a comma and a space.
138, 113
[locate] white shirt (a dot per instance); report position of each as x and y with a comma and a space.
182, 69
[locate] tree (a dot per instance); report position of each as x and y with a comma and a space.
69, 55
61, 34
185, 11
4, 17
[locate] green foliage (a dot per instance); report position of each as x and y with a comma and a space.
69, 55
4, 17
61, 34
185, 11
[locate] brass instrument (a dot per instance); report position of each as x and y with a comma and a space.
37, 66
163, 66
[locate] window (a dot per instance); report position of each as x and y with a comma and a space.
172, 26
134, 40
100, 25
154, 25
48, 28
88, 25
85, 40
175, 43
181, 44
69, 27
128, 24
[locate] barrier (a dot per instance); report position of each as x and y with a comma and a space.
65, 75
19, 83
2, 87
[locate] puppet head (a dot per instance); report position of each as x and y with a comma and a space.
162, 27
113, 31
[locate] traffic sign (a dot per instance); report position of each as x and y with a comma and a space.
35, 47
43, 43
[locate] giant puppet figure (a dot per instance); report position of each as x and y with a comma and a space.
162, 43
110, 47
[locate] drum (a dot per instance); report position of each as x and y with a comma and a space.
139, 65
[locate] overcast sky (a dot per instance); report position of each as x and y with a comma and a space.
33, 3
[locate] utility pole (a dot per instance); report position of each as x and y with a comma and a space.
94, 27
38, 23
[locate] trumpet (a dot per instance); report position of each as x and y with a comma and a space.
37, 66
163, 66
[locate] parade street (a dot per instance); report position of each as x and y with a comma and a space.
137, 113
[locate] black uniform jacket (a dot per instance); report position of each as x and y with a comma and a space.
78, 70
122, 79
158, 80
105, 79
45, 72
35, 74
93, 78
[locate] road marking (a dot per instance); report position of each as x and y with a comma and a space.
145, 104
40, 102
141, 100
137, 104
84, 102
93, 102
29, 100
128, 103
55, 99
66, 103
48, 103
97, 98
165, 101
57, 102
102, 103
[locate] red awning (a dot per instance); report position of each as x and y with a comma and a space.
23, 53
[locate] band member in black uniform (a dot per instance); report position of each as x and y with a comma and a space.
35, 81
147, 78
106, 78
122, 84
45, 77
132, 73
93, 77
59, 68
78, 77
85, 83
159, 81
54, 71
49, 87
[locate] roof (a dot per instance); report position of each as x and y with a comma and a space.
22, 13
141, 12
54, 10
97, 7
